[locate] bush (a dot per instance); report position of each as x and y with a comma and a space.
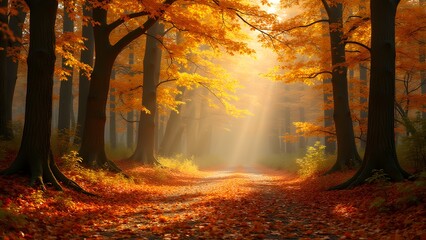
313, 161
179, 163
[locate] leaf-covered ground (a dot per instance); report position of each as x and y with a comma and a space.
239, 203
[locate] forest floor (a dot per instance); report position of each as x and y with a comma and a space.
238, 203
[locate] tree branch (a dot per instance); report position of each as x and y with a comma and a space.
359, 44
118, 22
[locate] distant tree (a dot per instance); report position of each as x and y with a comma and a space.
5, 131
380, 152
16, 22
65, 90
86, 57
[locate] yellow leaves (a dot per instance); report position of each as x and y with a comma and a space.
68, 45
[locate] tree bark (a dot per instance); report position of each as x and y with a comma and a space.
83, 82
35, 156
144, 152
380, 152
65, 90
347, 154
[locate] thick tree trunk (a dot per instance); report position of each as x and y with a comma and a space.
35, 156
83, 84
15, 25
92, 148
65, 91
347, 154
5, 128
172, 139
144, 152
329, 142
380, 152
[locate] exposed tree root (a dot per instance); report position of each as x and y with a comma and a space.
394, 172
40, 176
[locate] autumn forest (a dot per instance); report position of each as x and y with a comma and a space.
212, 119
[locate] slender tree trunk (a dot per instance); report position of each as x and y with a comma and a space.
363, 100
172, 139
380, 152
112, 120
422, 59
347, 154
144, 152
65, 90
15, 25
329, 142
302, 140
5, 128
130, 114
83, 84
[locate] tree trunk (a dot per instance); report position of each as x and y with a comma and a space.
83, 84
130, 114
65, 90
363, 100
347, 154
172, 139
112, 121
5, 128
329, 142
380, 152
35, 156
302, 140
15, 25
144, 152
422, 59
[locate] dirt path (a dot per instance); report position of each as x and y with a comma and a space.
243, 204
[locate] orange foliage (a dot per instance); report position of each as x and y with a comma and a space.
244, 203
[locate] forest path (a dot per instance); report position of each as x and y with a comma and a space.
243, 203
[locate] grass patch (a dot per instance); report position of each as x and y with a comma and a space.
180, 164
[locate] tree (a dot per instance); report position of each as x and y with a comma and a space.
65, 91
16, 22
152, 64
347, 154
35, 156
92, 148
86, 57
380, 152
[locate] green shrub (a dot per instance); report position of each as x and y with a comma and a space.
313, 161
